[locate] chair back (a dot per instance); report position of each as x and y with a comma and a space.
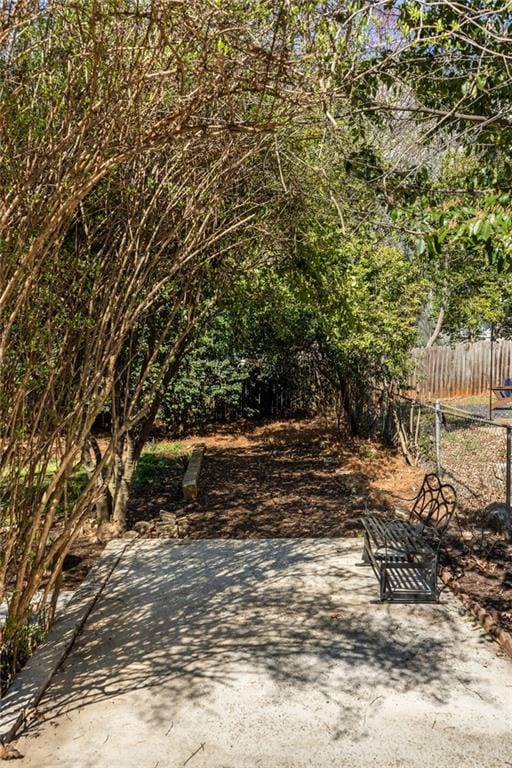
435, 503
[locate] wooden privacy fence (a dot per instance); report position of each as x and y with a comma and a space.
464, 369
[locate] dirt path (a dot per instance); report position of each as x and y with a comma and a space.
282, 479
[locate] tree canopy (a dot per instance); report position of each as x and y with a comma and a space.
204, 198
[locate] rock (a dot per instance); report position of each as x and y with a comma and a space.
142, 527
168, 517
130, 535
9, 752
500, 470
167, 530
498, 518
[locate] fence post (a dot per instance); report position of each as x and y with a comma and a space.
509, 470
438, 416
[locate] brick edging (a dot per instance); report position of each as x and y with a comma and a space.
491, 626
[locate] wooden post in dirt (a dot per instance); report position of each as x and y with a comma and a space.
189, 483
439, 469
491, 373
508, 474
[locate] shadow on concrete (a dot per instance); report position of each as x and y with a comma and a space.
182, 619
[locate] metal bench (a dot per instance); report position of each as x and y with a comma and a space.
404, 555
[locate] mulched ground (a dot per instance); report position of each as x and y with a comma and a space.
281, 479
299, 478
79, 561
482, 569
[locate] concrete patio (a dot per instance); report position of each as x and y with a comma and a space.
272, 653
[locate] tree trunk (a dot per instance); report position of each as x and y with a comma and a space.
346, 404
128, 448
438, 327
125, 466
440, 318
91, 457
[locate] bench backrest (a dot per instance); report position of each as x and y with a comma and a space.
508, 391
435, 503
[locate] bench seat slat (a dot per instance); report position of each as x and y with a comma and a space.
395, 534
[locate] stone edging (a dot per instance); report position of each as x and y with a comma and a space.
190, 478
490, 624
32, 681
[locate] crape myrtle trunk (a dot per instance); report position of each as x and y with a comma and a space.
129, 438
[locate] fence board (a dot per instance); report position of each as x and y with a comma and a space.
464, 369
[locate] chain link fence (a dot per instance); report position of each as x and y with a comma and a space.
472, 453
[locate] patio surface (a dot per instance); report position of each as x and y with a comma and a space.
272, 653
